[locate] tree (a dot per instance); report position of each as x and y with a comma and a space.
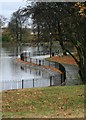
63, 22
75, 32
50, 17
2, 21
6, 37
15, 25
81, 36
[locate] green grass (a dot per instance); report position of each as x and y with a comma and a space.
47, 102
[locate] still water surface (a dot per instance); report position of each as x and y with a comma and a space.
12, 73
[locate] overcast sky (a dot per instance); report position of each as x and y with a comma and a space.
7, 7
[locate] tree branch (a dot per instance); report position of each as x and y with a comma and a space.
72, 56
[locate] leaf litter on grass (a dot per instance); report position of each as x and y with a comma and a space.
48, 102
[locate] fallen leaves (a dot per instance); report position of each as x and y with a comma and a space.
49, 102
64, 59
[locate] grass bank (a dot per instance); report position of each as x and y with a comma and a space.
47, 102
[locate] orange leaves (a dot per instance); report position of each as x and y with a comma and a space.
64, 59
81, 7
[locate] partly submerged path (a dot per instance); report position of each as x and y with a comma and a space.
72, 76
45, 67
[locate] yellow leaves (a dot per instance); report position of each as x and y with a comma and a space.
17, 93
61, 107
67, 113
81, 7
45, 117
7, 104
45, 101
42, 103
31, 108
77, 4
59, 98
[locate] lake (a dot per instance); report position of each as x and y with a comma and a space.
13, 74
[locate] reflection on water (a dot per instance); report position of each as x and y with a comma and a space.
13, 73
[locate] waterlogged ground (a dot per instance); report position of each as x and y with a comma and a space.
72, 76
47, 102
13, 71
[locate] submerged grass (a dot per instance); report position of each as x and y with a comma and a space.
47, 102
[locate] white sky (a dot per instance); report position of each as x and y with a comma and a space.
7, 7
11, 0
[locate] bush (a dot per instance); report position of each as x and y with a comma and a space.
5, 38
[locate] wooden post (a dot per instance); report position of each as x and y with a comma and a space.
61, 78
49, 63
22, 84
33, 83
50, 80
39, 62
55, 64
36, 61
29, 54
43, 62
30, 60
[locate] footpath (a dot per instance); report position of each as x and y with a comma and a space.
72, 76
43, 66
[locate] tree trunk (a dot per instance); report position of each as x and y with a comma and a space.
61, 41
82, 65
50, 48
82, 73
38, 36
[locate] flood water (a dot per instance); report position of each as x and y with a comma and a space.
14, 76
